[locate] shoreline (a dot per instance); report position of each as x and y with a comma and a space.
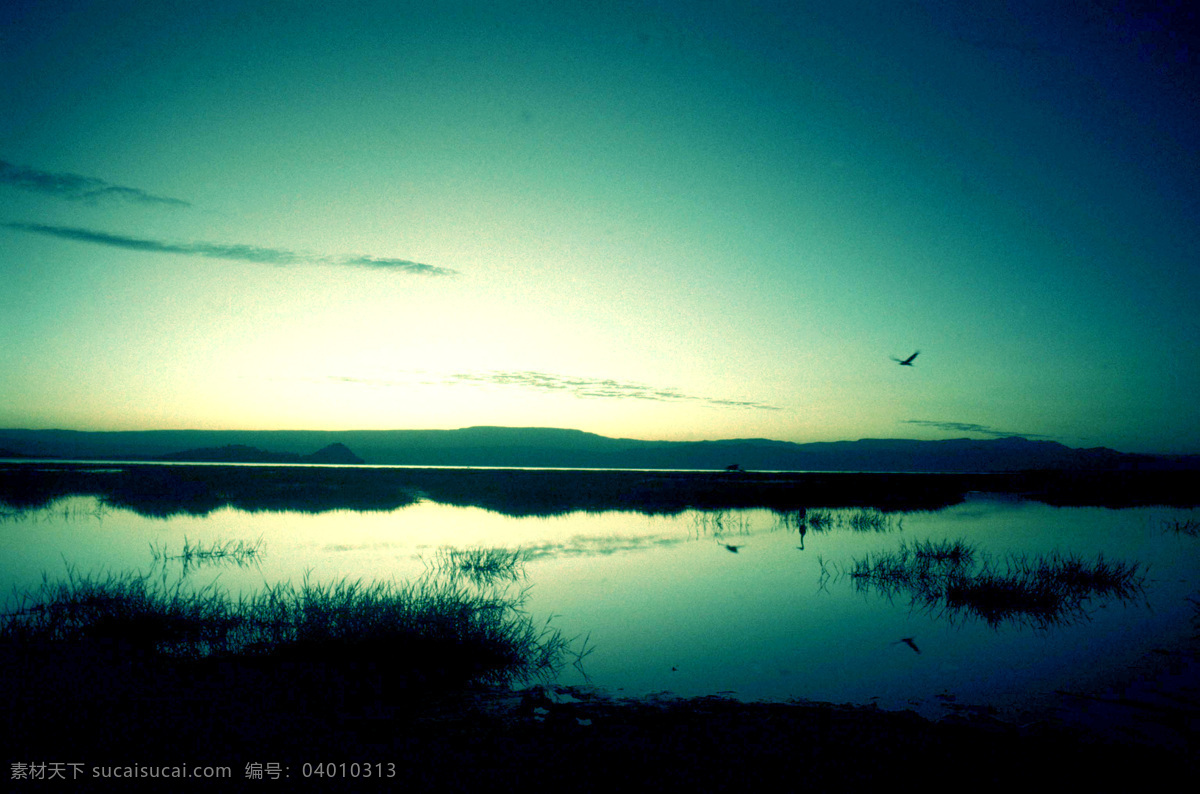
113, 709
164, 489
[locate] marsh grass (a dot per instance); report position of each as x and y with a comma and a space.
134, 611
433, 625
436, 628
952, 578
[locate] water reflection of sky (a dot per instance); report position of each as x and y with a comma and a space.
668, 607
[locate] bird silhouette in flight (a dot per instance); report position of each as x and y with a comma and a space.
908, 361
909, 642
729, 547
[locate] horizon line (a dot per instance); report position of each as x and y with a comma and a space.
584, 432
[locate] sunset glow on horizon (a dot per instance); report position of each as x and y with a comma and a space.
653, 220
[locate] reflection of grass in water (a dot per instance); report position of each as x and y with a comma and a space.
954, 552
1186, 526
433, 627
65, 510
239, 553
480, 565
793, 520
716, 523
867, 519
1042, 590
872, 520
820, 520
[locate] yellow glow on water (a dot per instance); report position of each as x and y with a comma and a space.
669, 607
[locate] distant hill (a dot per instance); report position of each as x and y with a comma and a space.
240, 453
560, 448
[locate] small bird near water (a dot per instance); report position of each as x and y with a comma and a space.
908, 362
909, 642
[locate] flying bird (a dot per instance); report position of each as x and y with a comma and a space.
728, 547
909, 642
908, 361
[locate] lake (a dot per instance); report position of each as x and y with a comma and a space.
736, 601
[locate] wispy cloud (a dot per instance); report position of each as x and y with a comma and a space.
238, 253
599, 545
585, 388
74, 187
969, 427
597, 388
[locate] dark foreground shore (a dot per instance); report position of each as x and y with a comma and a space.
282, 724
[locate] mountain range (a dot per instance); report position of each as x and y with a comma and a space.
561, 448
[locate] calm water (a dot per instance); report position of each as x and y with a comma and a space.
668, 607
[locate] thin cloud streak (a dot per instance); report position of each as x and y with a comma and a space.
237, 253
969, 427
74, 187
599, 545
598, 388
584, 388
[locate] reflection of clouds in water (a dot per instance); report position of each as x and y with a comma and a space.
698, 524
358, 546
598, 545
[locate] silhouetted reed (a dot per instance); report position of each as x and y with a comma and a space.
951, 578
435, 627
135, 611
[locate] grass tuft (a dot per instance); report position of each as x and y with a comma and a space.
953, 578
436, 628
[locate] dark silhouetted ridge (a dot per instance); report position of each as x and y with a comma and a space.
574, 449
240, 453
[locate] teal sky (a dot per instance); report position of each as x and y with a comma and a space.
668, 220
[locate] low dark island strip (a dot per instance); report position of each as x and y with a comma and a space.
156, 489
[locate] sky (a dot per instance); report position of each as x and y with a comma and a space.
658, 220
